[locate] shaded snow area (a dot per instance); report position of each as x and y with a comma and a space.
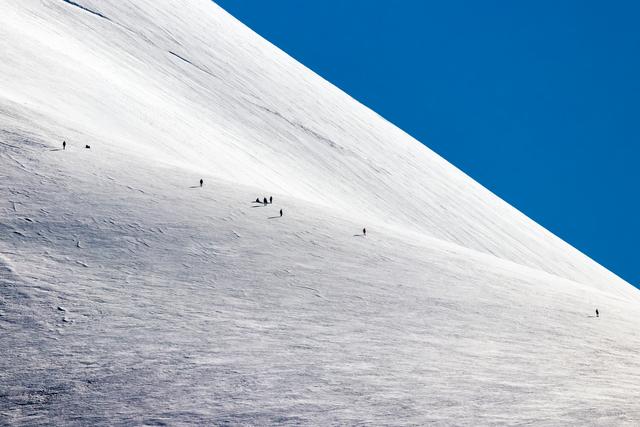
130, 295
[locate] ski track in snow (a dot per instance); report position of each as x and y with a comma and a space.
131, 296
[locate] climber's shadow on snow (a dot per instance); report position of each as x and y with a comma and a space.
358, 235
56, 149
195, 186
274, 217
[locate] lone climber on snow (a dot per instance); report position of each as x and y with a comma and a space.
364, 231
280, 213
201, 182
64, 145
597, 313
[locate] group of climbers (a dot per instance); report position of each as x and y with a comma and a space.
265, 203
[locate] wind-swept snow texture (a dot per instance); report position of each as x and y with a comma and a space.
131, 296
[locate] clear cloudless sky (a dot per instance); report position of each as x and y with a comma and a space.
538, 101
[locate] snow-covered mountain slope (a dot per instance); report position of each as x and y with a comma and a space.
195, 306
185, 83
129, 295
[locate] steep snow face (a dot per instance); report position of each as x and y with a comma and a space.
130, 295
185, 84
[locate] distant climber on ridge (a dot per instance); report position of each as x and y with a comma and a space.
270, 199
264, 201
597, 313
201, 182
64, 145
280, 213
364, 231
257, 199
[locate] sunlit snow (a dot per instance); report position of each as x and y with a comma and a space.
130, 295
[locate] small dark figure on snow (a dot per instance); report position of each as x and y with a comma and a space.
87, 146
280, 213
597, 313
201, 182
257, 199
64, 145
270, 199
364, 231
264, 201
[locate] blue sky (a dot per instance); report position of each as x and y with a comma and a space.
538, 101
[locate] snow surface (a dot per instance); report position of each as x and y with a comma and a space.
130, 296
